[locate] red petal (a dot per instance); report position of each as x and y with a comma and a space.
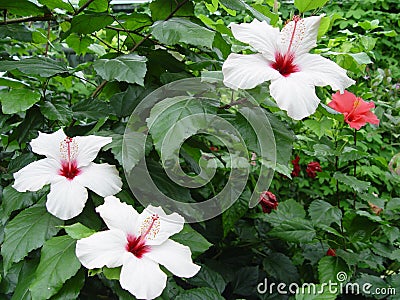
342, 102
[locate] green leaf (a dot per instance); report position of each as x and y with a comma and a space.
18, 100
393, 204
281, 268
306, 5
60, 4
78, 231
88, 23
294, 230
235, 212
13, 200
352, 182
178, 30
42, 66
21, 7
200, 294
165, 116
25, 278
13, 83
287, 210
17, 32
322, 212
112, 273
91, 108
320, 127
58, 263
130, 68
190, 237
56, 110
334, 269
373, 282
79, 43
71, 288
208, 278
124, 103
26, 232
96, 6
161, 9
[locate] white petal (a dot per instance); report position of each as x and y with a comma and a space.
35, 175
168, 225
105, 248
176, 257
88, 147
103, 179
142, 278
66, 199
247, 71
324, 72
118, 215
260, 35
295, 94
48, 144
301, 36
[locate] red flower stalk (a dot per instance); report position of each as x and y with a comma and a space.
296, 166
356, 111
331, 252
312, 169
268, 202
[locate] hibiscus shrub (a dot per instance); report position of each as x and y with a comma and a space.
325, 74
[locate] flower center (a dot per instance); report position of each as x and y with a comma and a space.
284, 64
68, 151
148, 230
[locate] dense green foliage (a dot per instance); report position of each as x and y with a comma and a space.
85, 65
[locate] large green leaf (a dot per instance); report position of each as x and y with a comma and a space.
177, 30
71, 288
56, 110
58, 263
130, 68
288, 210
165, 116
13, 200
208, 278
78, 231
88, 23
190, 237
294, 230
25, 278
351, 181
26, 232
161, 9
281, 267
306, 5
17, 32
21, 7
322, 212
18, 100
333, 269
42, 66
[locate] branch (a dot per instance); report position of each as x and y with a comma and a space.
28, 19
81, 9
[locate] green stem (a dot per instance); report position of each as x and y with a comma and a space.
355, 168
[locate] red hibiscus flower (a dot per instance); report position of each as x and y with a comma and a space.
356, 111
331, 252
312, 169
268, 202
296, 167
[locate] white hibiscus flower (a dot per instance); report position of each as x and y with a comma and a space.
284, 60
138, 243
69, 170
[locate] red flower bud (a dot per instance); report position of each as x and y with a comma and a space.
268, 202
312, 169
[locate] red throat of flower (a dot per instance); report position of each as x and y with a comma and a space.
69, 166
137, 245
284, 64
